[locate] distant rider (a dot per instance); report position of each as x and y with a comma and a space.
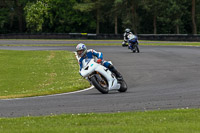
127, 32
83, 53
129, 38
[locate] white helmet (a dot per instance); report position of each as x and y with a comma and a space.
127, 30
80, 47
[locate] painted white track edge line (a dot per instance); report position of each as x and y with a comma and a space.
51, 95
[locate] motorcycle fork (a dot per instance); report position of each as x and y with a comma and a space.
101, 79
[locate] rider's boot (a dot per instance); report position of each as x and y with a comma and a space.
112, 69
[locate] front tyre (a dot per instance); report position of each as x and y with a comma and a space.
137, 49
97, 85
123, 86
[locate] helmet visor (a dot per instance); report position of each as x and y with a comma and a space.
79, 52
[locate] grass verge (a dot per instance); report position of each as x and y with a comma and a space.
169, 121
33, 73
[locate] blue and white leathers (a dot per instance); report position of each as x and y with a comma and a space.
92, 54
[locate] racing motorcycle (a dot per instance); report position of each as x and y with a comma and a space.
133, 43
101, 77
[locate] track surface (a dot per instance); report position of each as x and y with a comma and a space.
160, 77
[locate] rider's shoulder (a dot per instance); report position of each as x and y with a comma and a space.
91, 51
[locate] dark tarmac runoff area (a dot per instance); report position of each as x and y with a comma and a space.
158, 78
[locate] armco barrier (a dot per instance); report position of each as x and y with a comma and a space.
161, 37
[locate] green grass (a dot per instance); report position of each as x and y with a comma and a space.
169, 121
33, 73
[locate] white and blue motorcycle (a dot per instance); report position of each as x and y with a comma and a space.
101, 77
133, 43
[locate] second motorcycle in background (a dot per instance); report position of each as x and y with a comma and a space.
133, 43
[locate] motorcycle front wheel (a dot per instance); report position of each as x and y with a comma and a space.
102, 88
137, 48
123, 87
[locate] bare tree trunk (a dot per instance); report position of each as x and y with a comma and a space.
134, 20
20, 21
98, 19
194, 28
116, 23
154, 24
20, 18
2, 3
19, 14
177, 29
11, 20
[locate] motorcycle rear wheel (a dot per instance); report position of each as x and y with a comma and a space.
97, 85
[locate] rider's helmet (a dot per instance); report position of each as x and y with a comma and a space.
127, 30
81, 49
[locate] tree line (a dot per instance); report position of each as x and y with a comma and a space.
100, 16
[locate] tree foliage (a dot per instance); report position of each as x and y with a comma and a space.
100, 16
36, 13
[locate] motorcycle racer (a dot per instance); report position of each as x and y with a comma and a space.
83, 53
127, 32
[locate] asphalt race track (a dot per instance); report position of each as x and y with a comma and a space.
160, 77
